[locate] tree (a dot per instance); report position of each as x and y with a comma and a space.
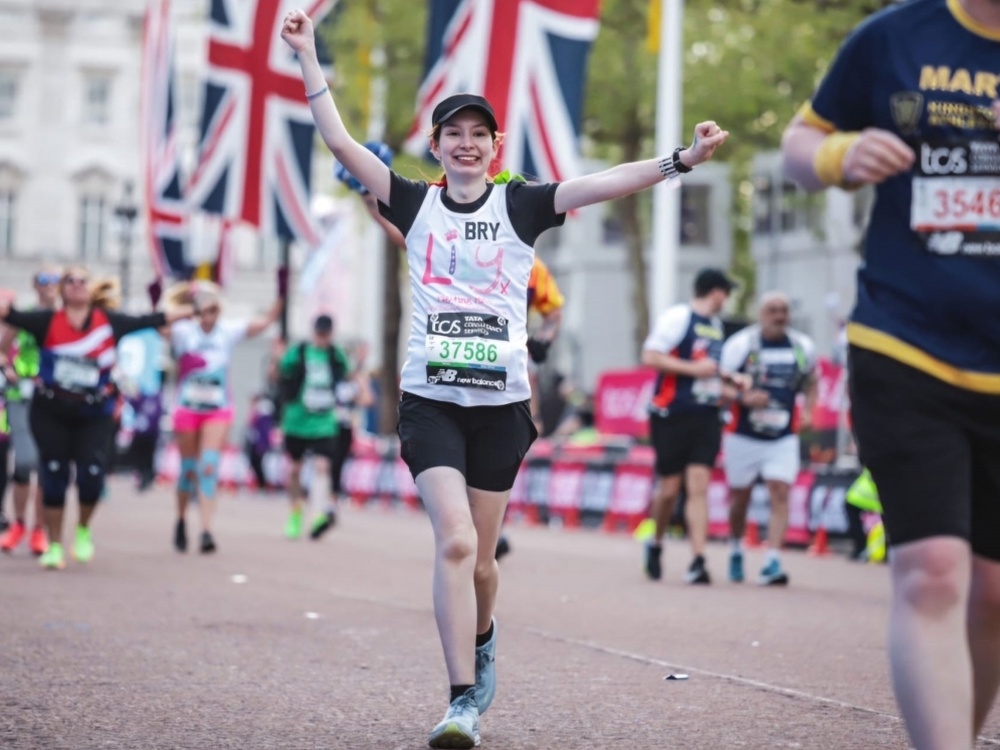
748, 64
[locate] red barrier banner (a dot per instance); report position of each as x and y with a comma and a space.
621, 401
830, 395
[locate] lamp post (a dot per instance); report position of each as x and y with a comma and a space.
126, 213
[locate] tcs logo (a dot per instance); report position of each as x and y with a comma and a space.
943, 160
445, 327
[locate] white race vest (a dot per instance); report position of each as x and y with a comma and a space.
469, 278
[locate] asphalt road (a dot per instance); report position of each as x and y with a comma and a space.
332, 644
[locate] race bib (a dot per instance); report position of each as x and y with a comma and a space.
769, 419
203, 393
955, 206
707, 390
76, 374
468, 350
318, 399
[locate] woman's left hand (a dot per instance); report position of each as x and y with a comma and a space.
707, 137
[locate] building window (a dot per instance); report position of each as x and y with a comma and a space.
8, 95
8, 203
784, 208
97, 100
93, 225
695, 201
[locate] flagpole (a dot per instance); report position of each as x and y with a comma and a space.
669, 119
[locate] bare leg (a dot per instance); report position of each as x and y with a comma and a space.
662, 508
296, 497
445, 497
21, 494
54, 524
928, 646
739, 504
984, 635
778, 524
696, 510
487, 516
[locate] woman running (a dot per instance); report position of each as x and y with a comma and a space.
464, 419
203, 409
72, 409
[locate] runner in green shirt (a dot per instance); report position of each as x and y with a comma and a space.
309, 374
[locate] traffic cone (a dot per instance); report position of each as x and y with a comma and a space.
751, 539
820, 544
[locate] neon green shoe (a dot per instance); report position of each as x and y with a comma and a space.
293, 526
83, 545
53, 558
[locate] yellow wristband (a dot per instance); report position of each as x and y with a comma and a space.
829, 160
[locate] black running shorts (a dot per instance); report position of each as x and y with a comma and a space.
690, 438
933, 450
297, 447
485, 443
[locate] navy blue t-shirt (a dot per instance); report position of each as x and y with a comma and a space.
929, 289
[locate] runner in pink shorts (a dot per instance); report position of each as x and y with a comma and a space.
203, 408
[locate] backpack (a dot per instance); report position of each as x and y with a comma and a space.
290, 383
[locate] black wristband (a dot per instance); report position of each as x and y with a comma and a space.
678, 164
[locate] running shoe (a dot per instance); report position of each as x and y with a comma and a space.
38, 542
293, 526
736, 567
323, 524
12, 537
697, 573
53, 559
83, 545
503, 548
773, 575
486, 671
207, 542
180, 536
653, 567
460, 726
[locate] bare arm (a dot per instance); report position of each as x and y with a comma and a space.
815, 158
699, 368
634, 176
297, 31
395, 236
258, 325
6, 339
550, 326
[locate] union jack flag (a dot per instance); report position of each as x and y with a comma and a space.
528, 58
166, 213
255, 147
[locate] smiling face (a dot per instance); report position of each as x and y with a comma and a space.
464, 145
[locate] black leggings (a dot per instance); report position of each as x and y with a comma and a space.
344, 439
63, 436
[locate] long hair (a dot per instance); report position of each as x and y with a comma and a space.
105, 291
198, 294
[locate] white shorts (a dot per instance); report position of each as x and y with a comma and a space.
746, 458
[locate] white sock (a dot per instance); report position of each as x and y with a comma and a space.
735, 544
773, 555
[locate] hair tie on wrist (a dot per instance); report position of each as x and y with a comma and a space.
322, 91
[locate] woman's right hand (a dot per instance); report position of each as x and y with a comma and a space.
297, 31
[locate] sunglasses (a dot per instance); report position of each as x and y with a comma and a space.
76, 280
47, 279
